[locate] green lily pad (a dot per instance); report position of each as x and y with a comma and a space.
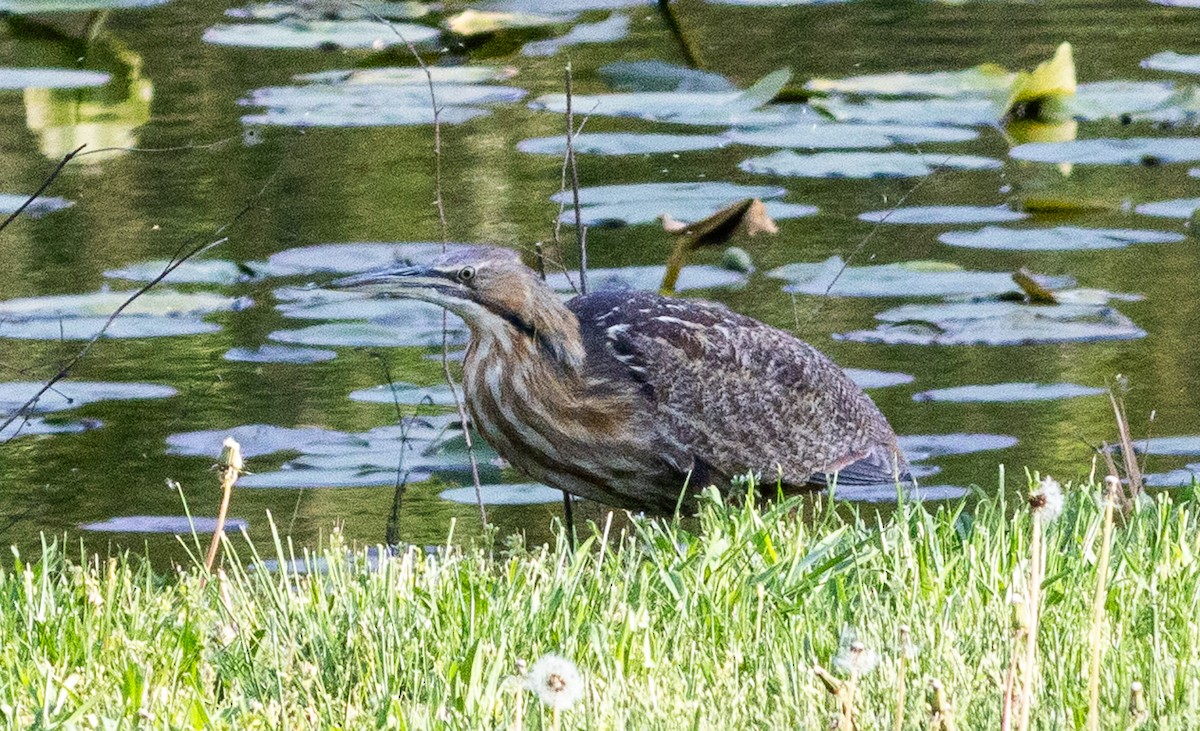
279, 354
410, 76
530, 493
11, 203
649, 278
1110, 151
181, 525
996, 323
37, 426
1179, 208
966, 112
889, 493
661, 76
1059, 238
902, 279
918, 448
351, 258
406, 394
877, 379
1008, 393
1170, 446
157, 302
622, 143
315, 478
614, 28
810, 135
616, 205
70, 394
366, 334
1171, 61
260, 439
21, 7
46, 78
357, 10
862, 164
942, 215
373, 105
1175, 478
319, 34
204, 271
985, 80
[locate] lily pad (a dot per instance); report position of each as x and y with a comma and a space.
86, 328
889, 493
614, 205
1170, 446
918, 448
622, 143
350, 258
303, 478
661, 76
177, 525
647, 278
347, 305
367, 334
10, 203
205, 271
20, 7
953, 112
996, 323
614, 28
862, 164
1008, 393
1175, 478
410, 76
985, 80
472, 22
900, 279
314, 34
406, 394
1109, 151
158, 302
49, 78
944, 215
866, 378
562, 6
73, 394
279, 354
846, 135
260, 439
530, 493
1171, 61
1179, 208
38, 426
1059, 238
1111, 99
357, 10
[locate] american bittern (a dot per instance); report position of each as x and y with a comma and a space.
626, 397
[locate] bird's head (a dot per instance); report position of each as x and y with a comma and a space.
488, 287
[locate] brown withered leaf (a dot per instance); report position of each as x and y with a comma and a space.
1036, 293
746, 217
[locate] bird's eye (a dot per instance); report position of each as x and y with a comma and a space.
466, 274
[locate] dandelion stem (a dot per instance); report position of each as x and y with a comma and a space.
1110, 498
1037, 567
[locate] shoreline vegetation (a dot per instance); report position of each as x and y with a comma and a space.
1071, 611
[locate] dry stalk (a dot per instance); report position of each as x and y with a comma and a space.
901, 676
1020, 628
45, 184
1037, 570
941, 715
580, 231
232, 466
1132, 470
843, 693
1138, 713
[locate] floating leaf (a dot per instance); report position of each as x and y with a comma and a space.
614, 205
1133, 151
877, 379
480, 22
996, 323
952, 112
366, 334
1060, 238
889, 493
86, 328
531, 493
410, 76
307, 10
1175, 478
746, 217
279, 354
178, 525
1034, 291
21, 7
319, 33
840, 135
260, 439
901, 279
38, 426
158, 302
1180, 208
983, 80
562, 6
1177, 446
352, 258
648, 278
661, 76
615, 28
73, 394
923, 447
48, 78
622, 143
862, 164
406, 394
1037, 94
1008, 393
1171, 61
10, 203
944, 215
304, 478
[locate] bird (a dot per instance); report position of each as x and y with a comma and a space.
639, 400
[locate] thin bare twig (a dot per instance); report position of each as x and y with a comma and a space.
46, 184
580, 231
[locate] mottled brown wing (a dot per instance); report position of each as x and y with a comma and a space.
738, 395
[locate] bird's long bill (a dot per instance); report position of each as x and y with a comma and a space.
389, 279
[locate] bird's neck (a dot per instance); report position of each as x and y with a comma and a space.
540, 326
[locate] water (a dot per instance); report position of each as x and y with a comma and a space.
308, 185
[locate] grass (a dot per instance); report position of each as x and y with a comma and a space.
716, 625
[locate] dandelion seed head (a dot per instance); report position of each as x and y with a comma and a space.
556, 681
855, 659
1047, 500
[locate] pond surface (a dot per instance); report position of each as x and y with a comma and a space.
304, 137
